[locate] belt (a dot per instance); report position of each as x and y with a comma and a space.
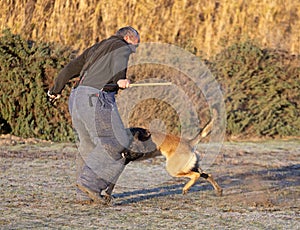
110, 88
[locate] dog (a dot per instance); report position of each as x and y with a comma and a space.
140, 147
181, 159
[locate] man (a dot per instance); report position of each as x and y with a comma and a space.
102, 136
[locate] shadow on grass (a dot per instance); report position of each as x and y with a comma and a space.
287, 176
161, 191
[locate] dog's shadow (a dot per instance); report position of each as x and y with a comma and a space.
284, 177
161, 191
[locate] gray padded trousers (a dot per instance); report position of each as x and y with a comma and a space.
102, 137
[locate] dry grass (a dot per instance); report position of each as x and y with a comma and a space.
203, 27
260, 182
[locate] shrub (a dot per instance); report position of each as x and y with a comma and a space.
261, 88
26, 70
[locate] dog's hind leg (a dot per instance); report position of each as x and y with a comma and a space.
211, 180
194, 176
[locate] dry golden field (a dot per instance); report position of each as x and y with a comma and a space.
203, 27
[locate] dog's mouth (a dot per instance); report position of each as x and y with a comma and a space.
141, 134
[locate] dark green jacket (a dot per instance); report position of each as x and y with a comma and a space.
105, 62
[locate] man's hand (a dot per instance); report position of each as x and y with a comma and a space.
123, 83
52, 96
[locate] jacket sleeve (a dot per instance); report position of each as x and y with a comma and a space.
120, 59
71, 70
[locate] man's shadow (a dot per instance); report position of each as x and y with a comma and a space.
161, 191
287, 176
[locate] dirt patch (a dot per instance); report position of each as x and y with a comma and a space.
11, 140
260, 181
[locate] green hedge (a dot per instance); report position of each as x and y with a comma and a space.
26, 71
261, 89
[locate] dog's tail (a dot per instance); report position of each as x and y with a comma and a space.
203, 133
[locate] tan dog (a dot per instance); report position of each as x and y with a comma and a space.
181, 160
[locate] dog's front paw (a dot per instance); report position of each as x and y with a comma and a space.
131, 156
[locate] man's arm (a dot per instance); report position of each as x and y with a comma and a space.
70, 71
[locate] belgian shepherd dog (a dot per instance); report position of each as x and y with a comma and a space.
181, 159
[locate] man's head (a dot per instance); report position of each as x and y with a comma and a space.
131, 36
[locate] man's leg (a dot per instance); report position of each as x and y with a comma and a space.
80, 196
83, 144
99, 150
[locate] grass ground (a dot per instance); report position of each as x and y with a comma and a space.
261, 183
